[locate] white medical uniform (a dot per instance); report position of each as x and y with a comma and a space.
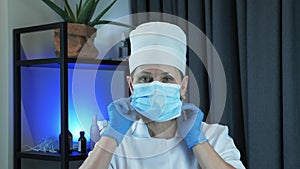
140, 151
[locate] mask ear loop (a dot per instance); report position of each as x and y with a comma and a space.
181, 86
130, 86
182, 98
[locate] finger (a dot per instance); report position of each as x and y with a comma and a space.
190, 114
122, 105
189, 106
132, 115
182, 117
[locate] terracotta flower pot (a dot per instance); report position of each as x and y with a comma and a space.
80, 41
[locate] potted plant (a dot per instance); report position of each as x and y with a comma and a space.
81, 31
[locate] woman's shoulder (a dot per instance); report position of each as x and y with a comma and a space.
213, 130
218, 137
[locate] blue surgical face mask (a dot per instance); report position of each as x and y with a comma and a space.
157, 101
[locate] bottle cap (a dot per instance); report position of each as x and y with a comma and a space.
123, 36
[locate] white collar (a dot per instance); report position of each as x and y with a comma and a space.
140, 130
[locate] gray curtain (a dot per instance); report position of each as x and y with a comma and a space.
258, 42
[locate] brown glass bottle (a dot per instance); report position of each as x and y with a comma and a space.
82, 143
70, 142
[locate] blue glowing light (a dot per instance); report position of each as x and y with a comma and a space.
41, 101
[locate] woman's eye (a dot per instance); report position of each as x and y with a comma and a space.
145, 79
167, 79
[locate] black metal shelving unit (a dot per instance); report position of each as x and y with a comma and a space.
63, 63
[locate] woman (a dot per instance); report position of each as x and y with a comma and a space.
160, 130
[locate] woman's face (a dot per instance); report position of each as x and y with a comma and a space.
161, 73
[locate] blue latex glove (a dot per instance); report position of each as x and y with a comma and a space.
189, 125
121, 117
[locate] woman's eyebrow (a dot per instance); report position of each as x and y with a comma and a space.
144, 72
166, 73
141, 73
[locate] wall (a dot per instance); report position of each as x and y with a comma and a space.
15, 14
5, 147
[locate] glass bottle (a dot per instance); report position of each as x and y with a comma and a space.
70, 142
123, 48
82, 143
94, 132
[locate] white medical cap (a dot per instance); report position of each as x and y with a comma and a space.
158, 43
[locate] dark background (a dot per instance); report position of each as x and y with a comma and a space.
258, 42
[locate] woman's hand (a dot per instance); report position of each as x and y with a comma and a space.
189, 125
121, 117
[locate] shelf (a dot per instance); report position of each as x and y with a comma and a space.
99, 64
36, 62
51, 156
78, 63
61, 66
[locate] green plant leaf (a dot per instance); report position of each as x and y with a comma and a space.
78, 9
113, 23
97, 19
86, 2
72, 19
85, 12
93, 9
58, 10
69, 10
